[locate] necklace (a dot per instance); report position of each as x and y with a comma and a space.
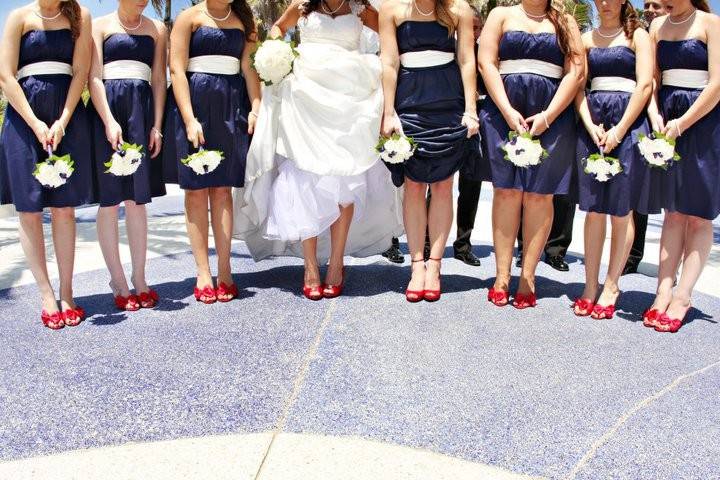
530, 14
612, 35
129, 28
682, 21
331, 12
49, 19
207, 12
421, 12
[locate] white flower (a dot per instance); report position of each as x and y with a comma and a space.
63, 169
658, 152
396, 149
524, 151
274, 60
48, 176
126, 161
204, 161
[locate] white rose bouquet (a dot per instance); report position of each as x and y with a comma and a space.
524, 151
604, 168
396, 148
125, 161
273, 60
54, 171
658, 150
204, 161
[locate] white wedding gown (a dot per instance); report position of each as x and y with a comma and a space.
314, 150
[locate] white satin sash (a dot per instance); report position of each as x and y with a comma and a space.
426, 58
530, 65
44, 68
214, 64
127, 70
685, 78
613, 84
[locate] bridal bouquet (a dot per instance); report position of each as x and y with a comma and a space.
54, 171
396, 148
273, 60
204, 161
658, 150
604, 168
125, 161
524, 151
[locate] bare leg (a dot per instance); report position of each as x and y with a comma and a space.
415, 220
623, 235
221, 213
439, 219
506, 208
537, 221
312, 269
672, 245
338, 238
698, 242
109, 239
595, 230
63, 230
196, 220
32, 240
136, 225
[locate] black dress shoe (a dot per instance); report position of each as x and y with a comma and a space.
468, 258
394, 255
558, 263
629, 268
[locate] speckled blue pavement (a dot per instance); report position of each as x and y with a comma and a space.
537, 391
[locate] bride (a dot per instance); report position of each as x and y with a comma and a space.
312, 169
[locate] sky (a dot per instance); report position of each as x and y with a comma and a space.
103, 7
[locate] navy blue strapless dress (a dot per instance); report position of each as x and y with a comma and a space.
529, 94
21, 150
221, 104
626, 191
430, 102
132, 105
692, 185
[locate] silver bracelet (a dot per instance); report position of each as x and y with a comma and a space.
614, 133
157, 130
62, 129
470, 115
253, 114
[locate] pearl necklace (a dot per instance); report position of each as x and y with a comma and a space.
49, 19
682, 21
530, 14
613, 35
207, 12
331, 12
421, 12
129, 29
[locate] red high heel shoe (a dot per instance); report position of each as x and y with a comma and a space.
667, 324
415, 296
585, 305
433, 295
313, 293
523, 301
651, 317
131, 303
224, 290
53, 321
149, 299
603, 313
73, 316
205, 295
499, 298
332, 291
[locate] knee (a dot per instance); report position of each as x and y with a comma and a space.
695, 224
415, 189
442, 189
507, 195
196, 197
63, 213
220, 194
595, 217
537, 199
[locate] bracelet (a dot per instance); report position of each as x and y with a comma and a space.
62, 129
253, 114
677, 127
614, 134
157, 130
470, 115
544, 116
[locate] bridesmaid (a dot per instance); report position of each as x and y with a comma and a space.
686, 109
430, 95
619, 55
531, 62
211, 43
128, 89
46, 45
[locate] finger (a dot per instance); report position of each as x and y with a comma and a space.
201, 138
